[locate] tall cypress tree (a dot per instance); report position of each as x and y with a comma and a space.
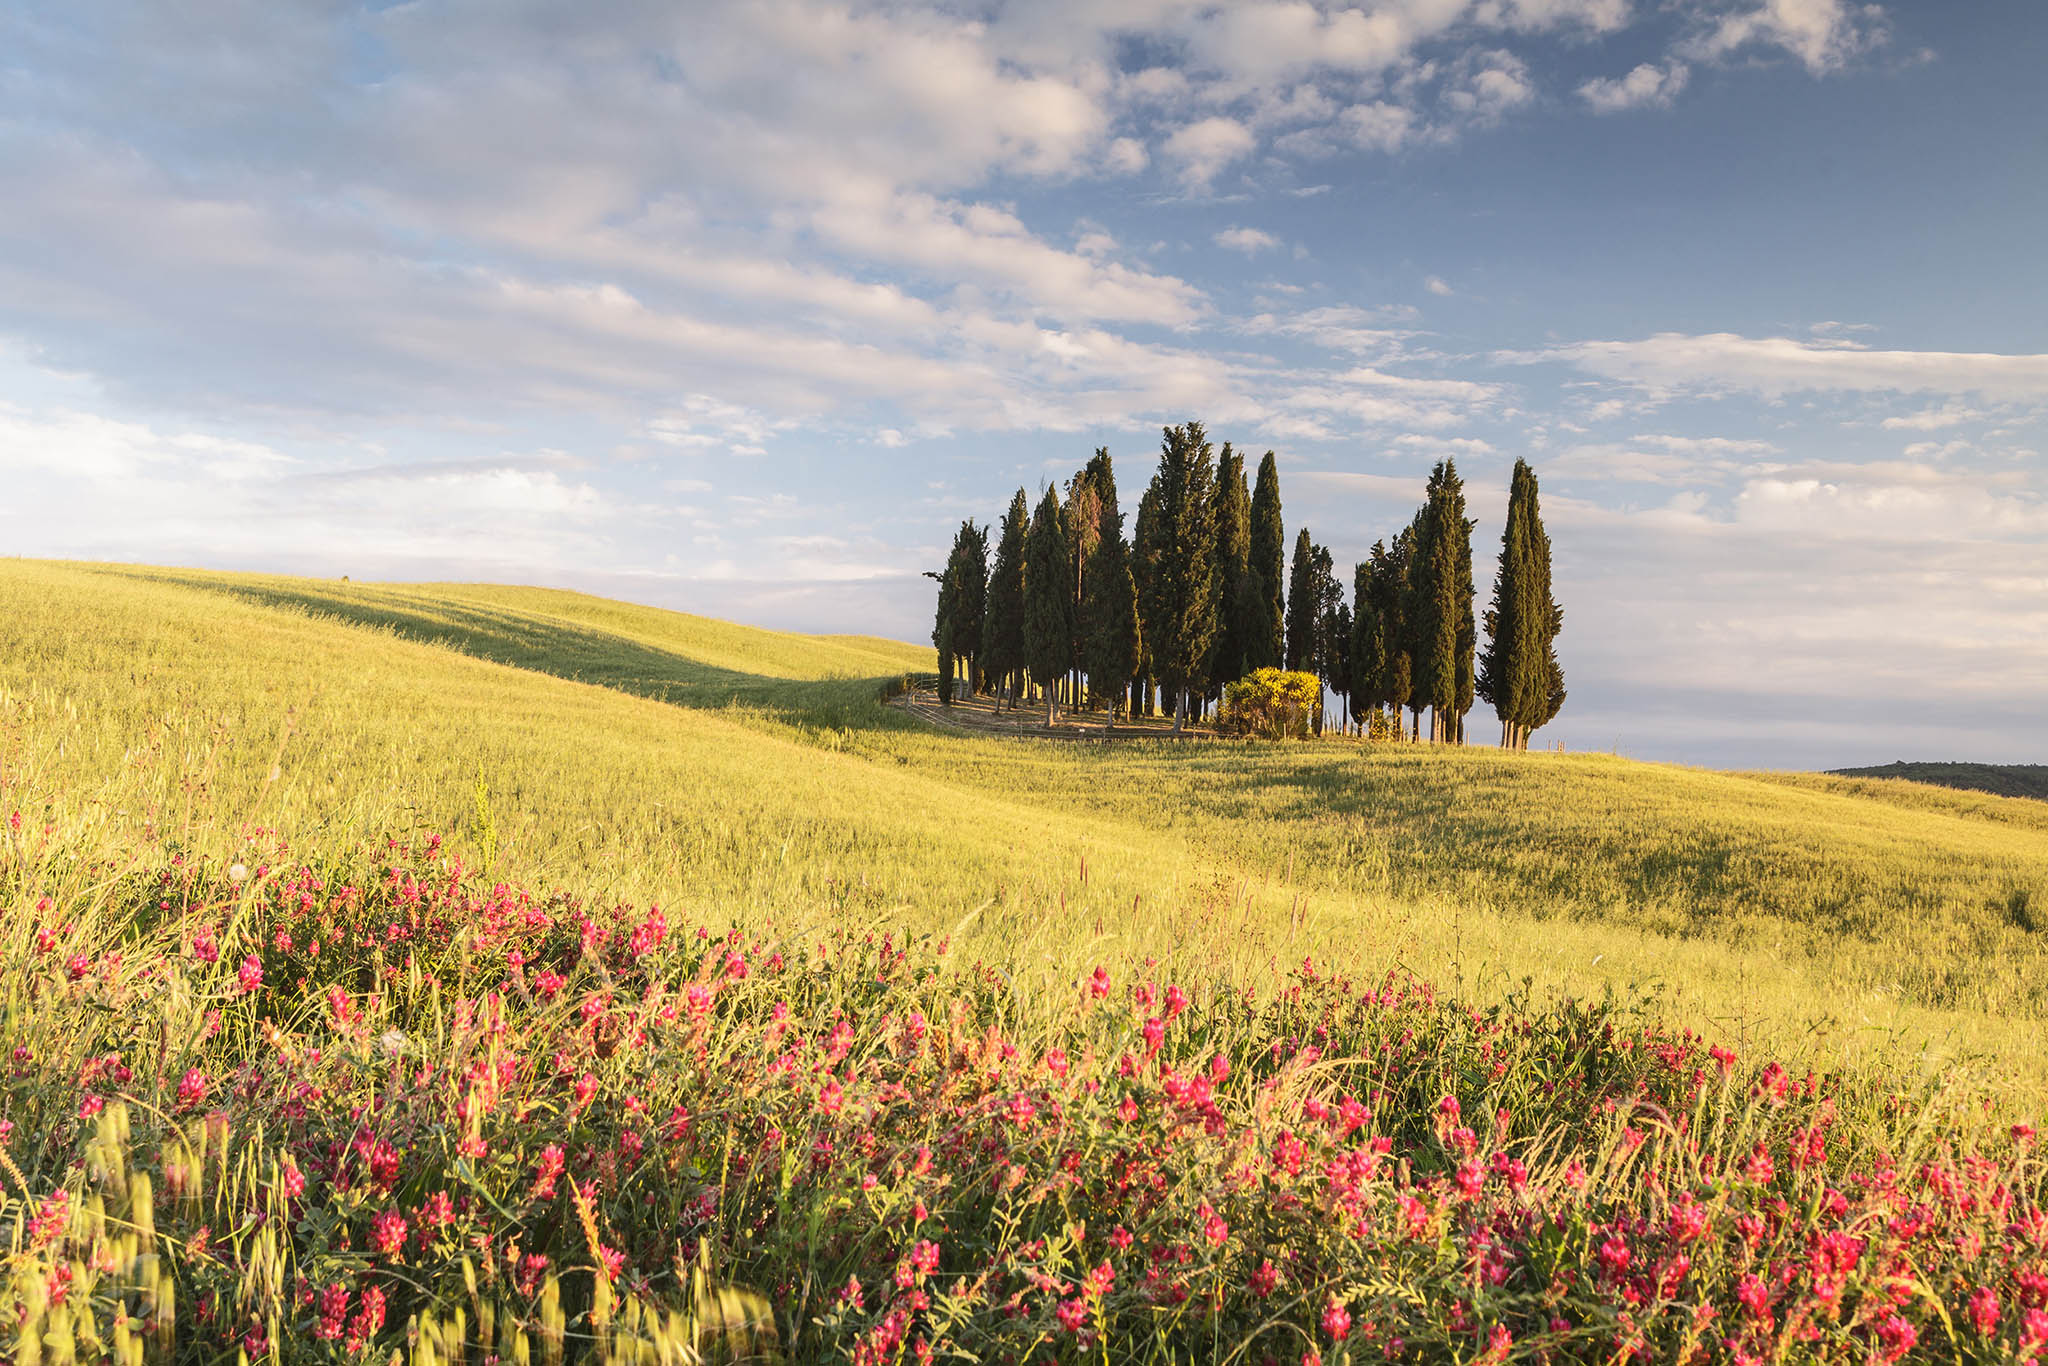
1441, 596
1333, 636
942, 626
1082, 512
1368, 642
1519, 674
1144, 559
1234, 594
1048, 599
1110, 608
1265, 644
1180, 622
969, 566
1002, 631
1391, 601
1304, 608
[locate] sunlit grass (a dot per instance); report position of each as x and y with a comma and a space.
640, 755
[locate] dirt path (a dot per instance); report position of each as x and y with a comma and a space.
981, 716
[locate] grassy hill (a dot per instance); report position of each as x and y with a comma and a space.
2004, 780
650, 754
852, 1031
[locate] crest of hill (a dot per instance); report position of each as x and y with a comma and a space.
637, 754
2004, 780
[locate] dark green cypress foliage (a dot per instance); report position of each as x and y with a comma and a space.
1110, 608
1520, 674
1442, 630
1391, 601
1082, 511
1048, 599
942, 628
1468, 626
1368, 642
1337, 649
1234, 594
1179, 554
1549, 694
1510, 667
968, 567
1144, 559
1265, 645
1002, 634
1327, 598
1303, 609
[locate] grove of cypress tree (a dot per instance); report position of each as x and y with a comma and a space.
1304, 614
1048, 599
1180, 565
1110, 608
1265, 644
1234, 592
1002, 632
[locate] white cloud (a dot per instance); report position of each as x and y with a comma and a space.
1647, 84
1950, 414
1250, 241
1436, 285
1488, 86
1823, 34
1362, 331
1205, 148
1775, 366
1378, 125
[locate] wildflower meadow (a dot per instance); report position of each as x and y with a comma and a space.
383, 1108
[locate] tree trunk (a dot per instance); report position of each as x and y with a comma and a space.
1051, 701
1180, 712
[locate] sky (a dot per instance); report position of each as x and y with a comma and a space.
740, 309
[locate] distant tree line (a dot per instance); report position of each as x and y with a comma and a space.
1202, 593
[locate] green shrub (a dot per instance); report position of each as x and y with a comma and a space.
1274, 703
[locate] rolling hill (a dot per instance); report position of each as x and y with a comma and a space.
2004, 780
633, 753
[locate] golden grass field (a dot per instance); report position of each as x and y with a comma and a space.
639, 754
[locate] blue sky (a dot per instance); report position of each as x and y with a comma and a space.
739, 309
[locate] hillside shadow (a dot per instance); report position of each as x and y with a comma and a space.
573, 651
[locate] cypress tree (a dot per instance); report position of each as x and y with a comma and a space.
1368, 642
1234, 594
968, 567
1391, 596
1265, 645
1468, 626
1002, 632
1144, 558
1110, 609
1440, 579
1082, 512
1304, 614
1333, 640
1180, 565
1549, 694
1519, 674
942, 625
1048, 599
